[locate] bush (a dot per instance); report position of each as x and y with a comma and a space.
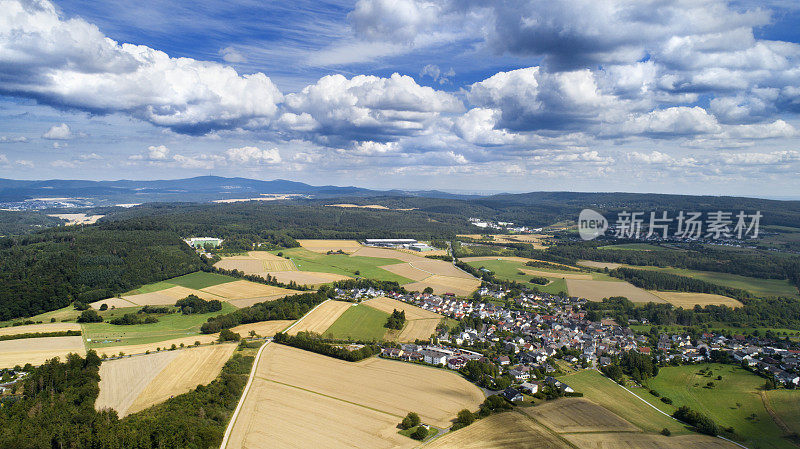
89, 316
666, 400
229, 335
465, 417
540, 280
80, 305
655, 393
103, 307
411, 420
701, 423
665, 432
420, 433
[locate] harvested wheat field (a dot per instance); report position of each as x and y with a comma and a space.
577, 276
275, 415
386, 253
247, 266
112, 303
688, 300
571, 415
601, 265
306, 277
441, 268
319, 320
245, 289
38, 350
420, 323
597, 290
35, 328
413, 312
262, 328
122, 380
192, 367
446, 284
256, 262
170, 296
389, 386
407, 270
156, 346
323, 246
481, 258
645, 441
509, 430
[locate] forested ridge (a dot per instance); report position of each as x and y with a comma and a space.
48, 270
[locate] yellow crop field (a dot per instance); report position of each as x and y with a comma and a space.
390, 386
303, 399
275, 415
34, 328
323, 246
192, 367
245, 289
597, 290
169, 296
321, 318
645, 441
579, 415
407, 270
503, 431
307, 277
420, 323
38, 350
412, 312
446, 284
688, 300
122, 380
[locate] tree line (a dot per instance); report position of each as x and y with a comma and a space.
310, 341
655, 280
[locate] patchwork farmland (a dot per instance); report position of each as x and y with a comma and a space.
319, 392
38, 350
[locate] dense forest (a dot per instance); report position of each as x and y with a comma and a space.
23, 222
48, 270
57, 411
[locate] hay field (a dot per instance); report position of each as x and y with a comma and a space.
275, 415
122, 380
407, 270
245, 289
482, 258
153, 347
576, 276
441, 268
262, 328
644, 441
34, 328
323, 246
386, 253
389, 386
256, 262
307, 277
509, 430
601, 265
38, 350
597, 290
420, 323
169, 296
112, 303
192, 367
687, 300
446, 284
321, 318
579, 415
413, 312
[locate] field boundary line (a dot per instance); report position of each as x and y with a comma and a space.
665, 414
235, 415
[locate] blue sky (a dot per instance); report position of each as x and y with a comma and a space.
683, 96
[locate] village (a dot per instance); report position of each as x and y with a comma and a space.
543, 334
